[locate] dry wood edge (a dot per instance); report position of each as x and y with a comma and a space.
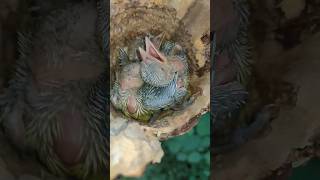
179, 122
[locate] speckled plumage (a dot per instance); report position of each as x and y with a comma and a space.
57, 94
159, 90
232, 73
231, 56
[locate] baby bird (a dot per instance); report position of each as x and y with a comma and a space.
157, 98
168, 61
124, 94
231, 20
155, 69
158, 68
157, 82
56, 101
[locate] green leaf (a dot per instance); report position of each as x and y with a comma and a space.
206, 173
207, 158
205, 116
187, 153
192, 144
203, 128
174, 147
190, 133
194, 157
181, 157
205, 143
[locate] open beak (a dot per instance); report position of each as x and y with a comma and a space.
143, 54
153, 52
158, 40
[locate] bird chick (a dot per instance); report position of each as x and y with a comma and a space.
157, 82
158, 67
157, 98
56, 101
124, 92
160, 64
155, 68
231, 26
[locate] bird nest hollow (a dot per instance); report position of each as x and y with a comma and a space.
137, 21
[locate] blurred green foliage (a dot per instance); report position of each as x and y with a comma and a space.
308, 171
186, 157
